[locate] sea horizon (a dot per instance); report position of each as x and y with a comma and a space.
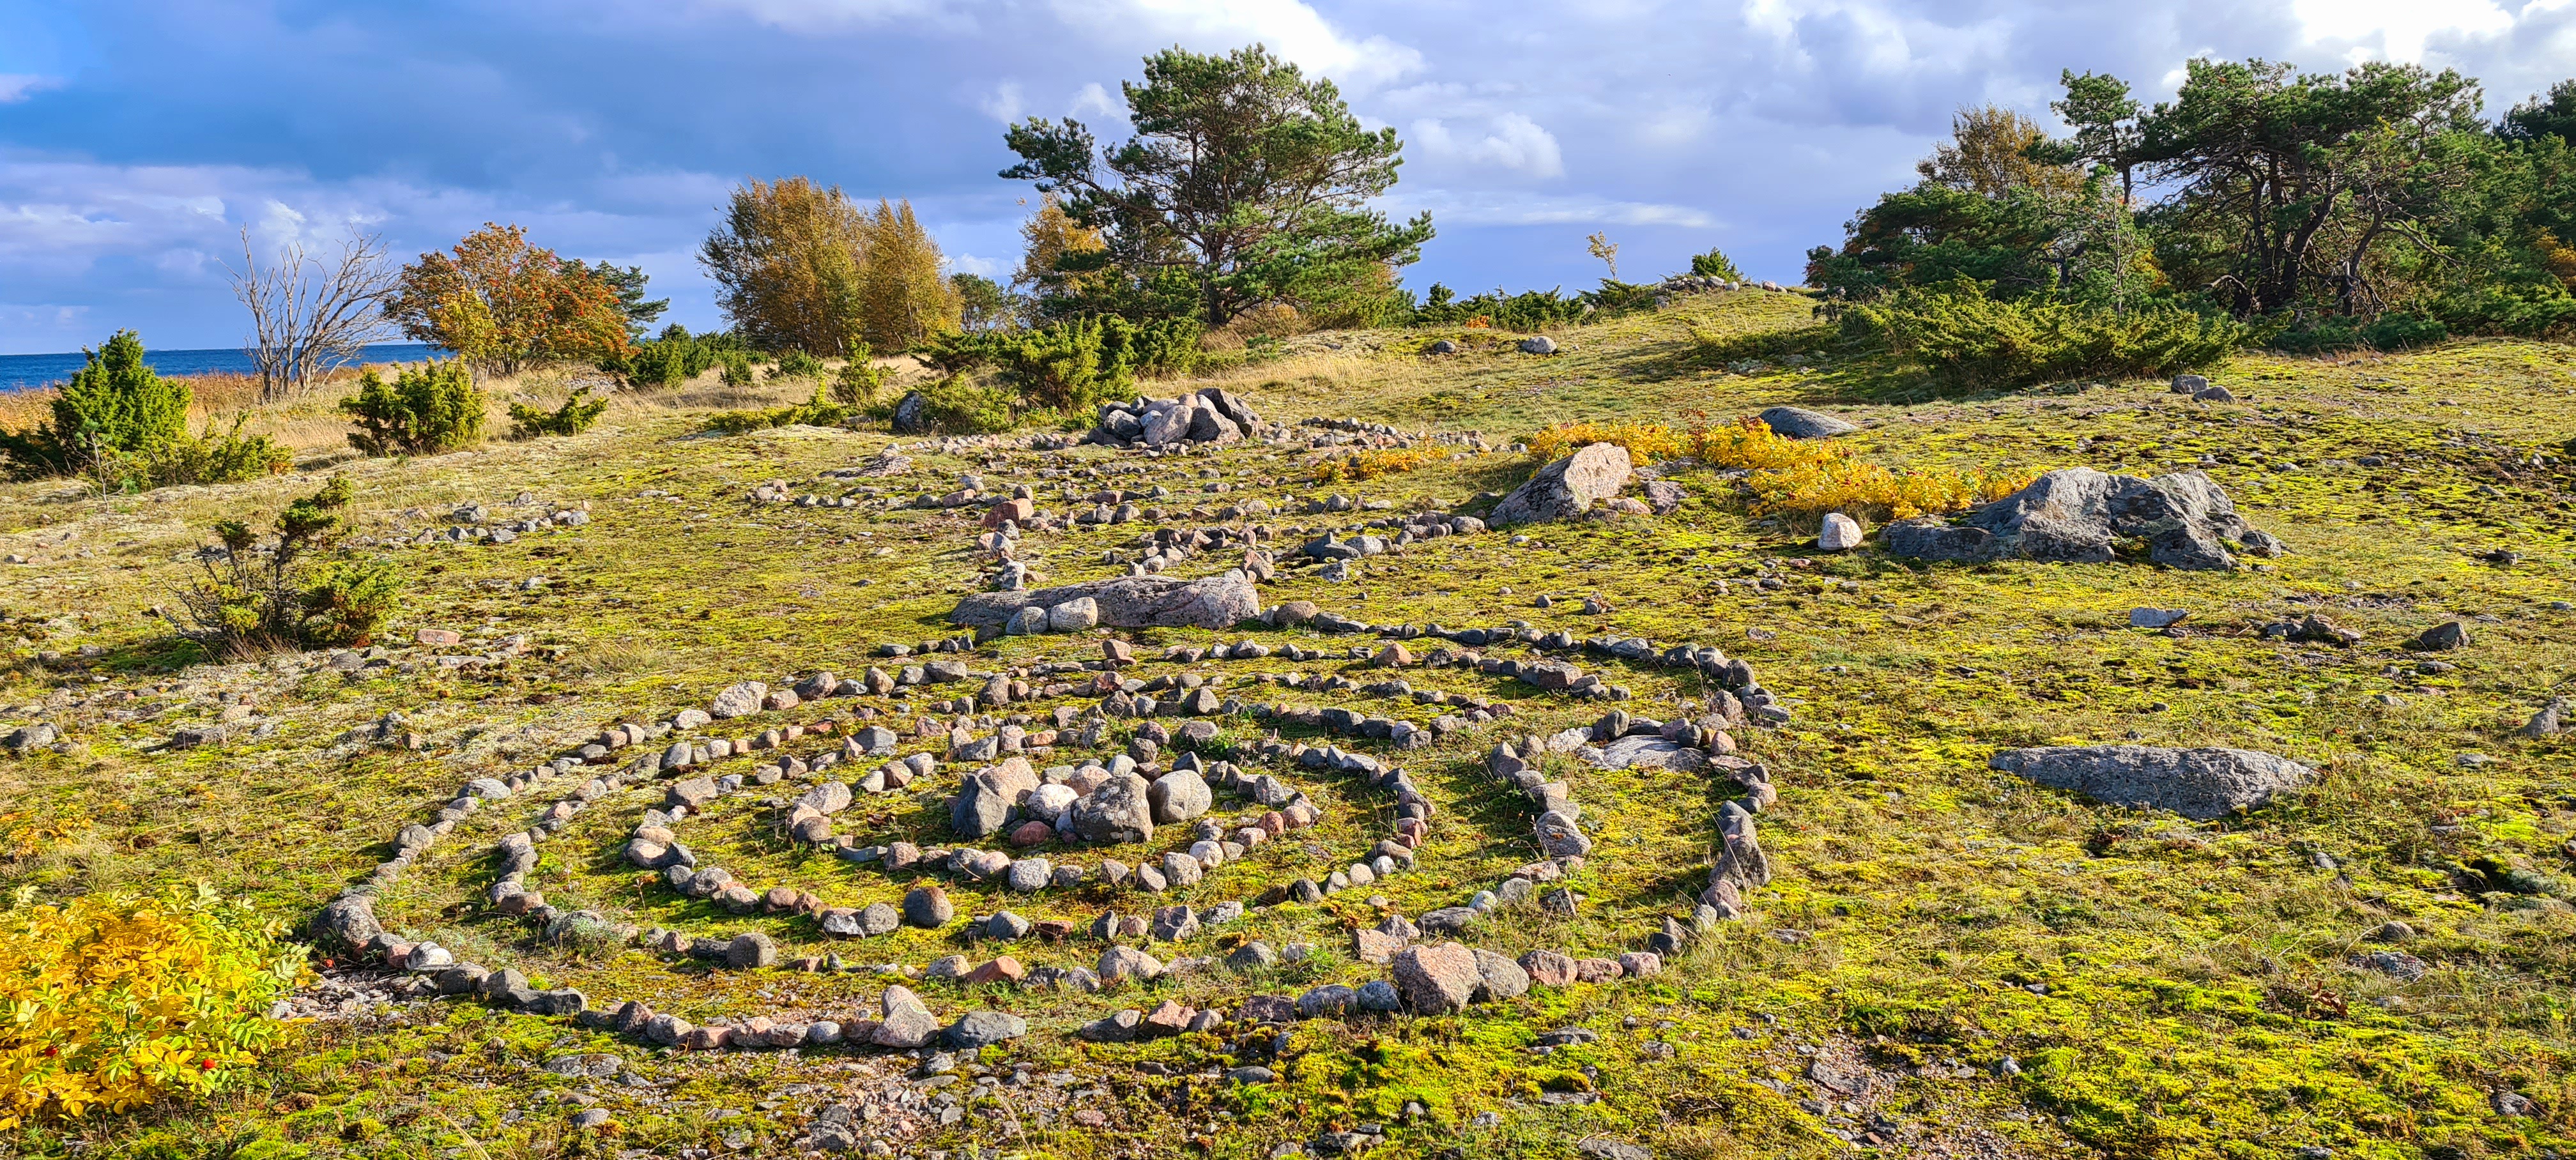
19, 372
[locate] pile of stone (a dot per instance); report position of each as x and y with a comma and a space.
2080, 516
1213, 415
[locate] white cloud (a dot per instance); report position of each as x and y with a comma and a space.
1501, 208
829, 15
20, 86
970, 264
1514, 142
1004, 103
1290, 28
1095, 100
2396, 29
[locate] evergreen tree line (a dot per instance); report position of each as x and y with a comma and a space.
2308, 211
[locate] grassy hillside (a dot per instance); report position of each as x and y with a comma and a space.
1970, 965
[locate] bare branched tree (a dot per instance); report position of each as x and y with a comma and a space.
310, 312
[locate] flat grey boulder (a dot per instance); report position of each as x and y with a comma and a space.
1639, 751
2197, 783
1128, 602
2081, 516
1566, 488
1801, 423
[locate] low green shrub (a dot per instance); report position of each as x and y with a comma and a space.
209, 456
737, 368
1965, 339
794, 363
115, 405
578, 412
1769, 345
1715, 264
281, 593
427, 409
1071, 366
815, 412
956, 405
1075, 364
1527, 311
2397, 330
859, 380
669, 360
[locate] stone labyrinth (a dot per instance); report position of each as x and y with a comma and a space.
1074, 811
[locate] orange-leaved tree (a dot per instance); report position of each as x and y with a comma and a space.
503, 305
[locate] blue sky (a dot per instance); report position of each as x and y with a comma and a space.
138, 139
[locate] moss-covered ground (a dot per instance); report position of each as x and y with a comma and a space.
2017, 971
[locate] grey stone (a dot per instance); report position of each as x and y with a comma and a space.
1178, 796
1499, 978
2078, 515
1029, 875
2156, 617
1568, 487
1116, 812
1538, 344
912, 414
1128, 602
1801, 423
980, 1029
740, 700
2196, 783
1075, 615
928, 906
1121, 964
346, 923
984, 803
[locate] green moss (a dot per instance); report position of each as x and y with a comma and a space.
2199, 993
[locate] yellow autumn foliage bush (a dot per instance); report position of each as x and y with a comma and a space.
1868, 490
1646, 442
114, 1002
1801, 477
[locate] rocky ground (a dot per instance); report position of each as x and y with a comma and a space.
687, 812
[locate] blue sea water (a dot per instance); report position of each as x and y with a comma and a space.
21, 371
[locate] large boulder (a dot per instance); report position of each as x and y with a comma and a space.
984, 803
1801, 423
912, 414
1227, 404
1437, 980
1128, 602
2196, 783
1119, 811
1568, 487
2080, 516
1178, 796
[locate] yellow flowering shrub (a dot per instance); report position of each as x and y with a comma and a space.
1646, 442
1807, 477
1752, 444
1370, 464
116, 1002
1868, 490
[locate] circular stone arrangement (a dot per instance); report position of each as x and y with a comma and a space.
1092, 804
